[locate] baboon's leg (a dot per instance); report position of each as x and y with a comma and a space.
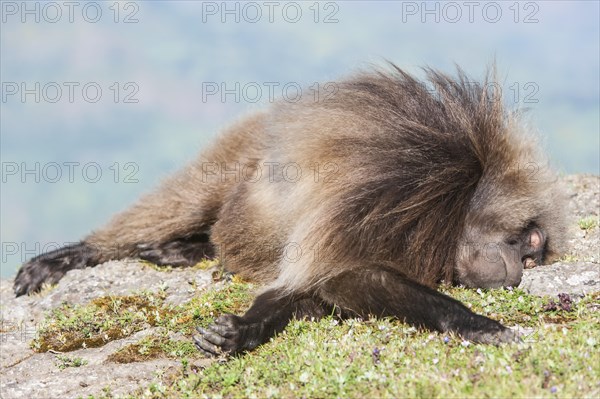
169, 226
380, 291
269, 315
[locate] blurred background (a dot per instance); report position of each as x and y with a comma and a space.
101, 100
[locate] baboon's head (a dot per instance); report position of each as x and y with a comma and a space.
506, 230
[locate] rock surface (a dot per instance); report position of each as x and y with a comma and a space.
26, 374
570, 278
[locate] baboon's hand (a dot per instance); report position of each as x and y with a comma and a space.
225, 336
50, 267
498, 336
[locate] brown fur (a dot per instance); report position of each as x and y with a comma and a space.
184, 204
409, 168
361, 200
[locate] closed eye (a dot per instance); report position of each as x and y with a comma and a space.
512, 241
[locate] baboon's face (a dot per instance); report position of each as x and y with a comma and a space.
489, 259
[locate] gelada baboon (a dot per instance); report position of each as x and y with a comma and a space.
355, 203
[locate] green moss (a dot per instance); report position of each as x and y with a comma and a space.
568, 258
510, 306
66, 361
588, 223
71, 327
204, 264
373, 358
387, 358
153, 347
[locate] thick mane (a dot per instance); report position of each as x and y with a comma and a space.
420, 153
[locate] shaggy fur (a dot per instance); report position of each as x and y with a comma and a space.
363, 200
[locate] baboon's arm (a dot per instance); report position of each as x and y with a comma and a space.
376, 291
383, 292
